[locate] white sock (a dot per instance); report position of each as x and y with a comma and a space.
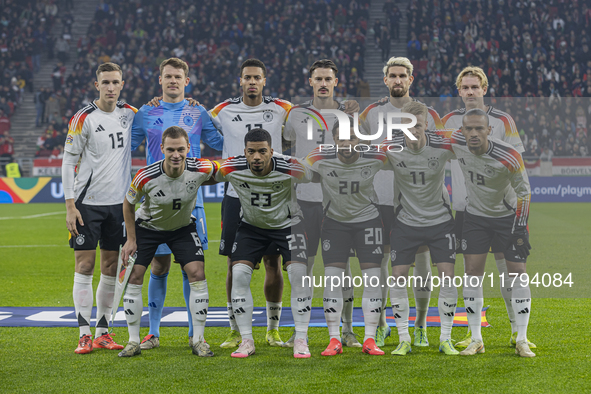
273, 315
105, 292
448, 300
199, 303
310, 273
242, 299
506, 292
333, 302
383, 282
464, 265
474, 301
83, 299
301, 302
348, 301
231, 318
522, 304
422, 293
132, 304
371, 303
400, 310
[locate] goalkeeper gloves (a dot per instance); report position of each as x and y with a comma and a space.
520, 241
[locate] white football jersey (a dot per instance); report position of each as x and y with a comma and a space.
348, 189
370, 120
420, 196
103, 141
296, 130
169, 201
502, 128
496, 181
267, 201
234, 119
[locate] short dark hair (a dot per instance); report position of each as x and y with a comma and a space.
257, 135
253, 63
175, 132
324, 63
476, 112
335, 127
177, 63
106, 67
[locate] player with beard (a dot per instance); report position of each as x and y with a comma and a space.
301, 118
398, 78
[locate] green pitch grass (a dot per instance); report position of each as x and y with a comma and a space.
42, 359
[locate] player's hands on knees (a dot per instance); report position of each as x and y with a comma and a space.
128, 250
351, 106
73, 216
520, 241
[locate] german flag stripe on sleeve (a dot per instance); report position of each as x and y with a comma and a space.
200, 165
452, 113
436, 118
508, 122
318, 154
218, 108
457, 138
365, 112
236, 163
77, 122
286, 105
292, 167
131, 107
522, 210
146, 174
507, 156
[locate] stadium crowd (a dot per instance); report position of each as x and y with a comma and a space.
527, 48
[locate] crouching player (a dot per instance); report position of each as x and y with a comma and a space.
170, 190
423, 218
351, 222
498, 206
264, 184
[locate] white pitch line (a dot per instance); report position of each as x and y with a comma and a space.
34, 246
33, 216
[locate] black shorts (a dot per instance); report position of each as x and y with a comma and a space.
405, 241
365, 238
313, 215
102, 223
183, 242
252, 243
231, 218
387, 216
480, 233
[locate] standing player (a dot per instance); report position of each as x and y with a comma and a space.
323, 79
423, 217
234, 118
398, 78
149, 124
498, 193
351, 222
472, 85
98, 143
271, 218
170, 190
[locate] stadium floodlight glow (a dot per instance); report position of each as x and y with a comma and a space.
390, 125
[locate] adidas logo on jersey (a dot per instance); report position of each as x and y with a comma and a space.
378, 250
332, 174
401, 164
99, 128
237, 119
159, 194
158, 122
244, 185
